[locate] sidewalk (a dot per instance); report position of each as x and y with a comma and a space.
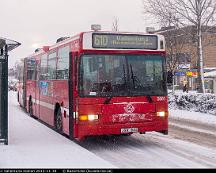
196, 117
195, 122
193, 126
33, 145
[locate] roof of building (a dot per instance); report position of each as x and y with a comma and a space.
190, 28
210, 74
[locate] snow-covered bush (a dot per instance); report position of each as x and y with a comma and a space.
205, 103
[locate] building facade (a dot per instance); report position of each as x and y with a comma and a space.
210, 81
182, 53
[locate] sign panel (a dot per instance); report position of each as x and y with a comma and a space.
180, 73
124, 41
192, 74
31, 62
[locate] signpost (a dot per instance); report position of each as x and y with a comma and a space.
6, 45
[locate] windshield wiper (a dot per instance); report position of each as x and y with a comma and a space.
108, 99
149, 98
136, 81
132, 75
124, 75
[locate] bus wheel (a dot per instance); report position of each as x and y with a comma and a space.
30, 106
59, 120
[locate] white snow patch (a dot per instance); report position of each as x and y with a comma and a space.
33, 145
193, 116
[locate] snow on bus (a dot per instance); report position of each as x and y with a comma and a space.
98, 83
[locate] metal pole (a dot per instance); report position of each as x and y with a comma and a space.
6, 45
4, 103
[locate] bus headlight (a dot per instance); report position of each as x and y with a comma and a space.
161, 114
92, 117
88, 117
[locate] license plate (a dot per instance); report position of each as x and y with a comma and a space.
129, 130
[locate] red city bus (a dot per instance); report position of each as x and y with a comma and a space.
98, 83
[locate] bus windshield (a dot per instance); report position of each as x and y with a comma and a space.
122, 75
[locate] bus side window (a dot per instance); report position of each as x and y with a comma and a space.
43, 67
31, 69
63, 63
51, 70
20, 69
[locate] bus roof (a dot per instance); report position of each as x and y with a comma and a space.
87, 41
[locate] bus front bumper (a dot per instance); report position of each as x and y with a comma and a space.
94, 129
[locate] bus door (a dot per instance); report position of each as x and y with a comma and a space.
72, 91
37, 91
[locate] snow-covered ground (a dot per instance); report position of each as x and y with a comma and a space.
193, 116
192, 126
33, 145
152, 150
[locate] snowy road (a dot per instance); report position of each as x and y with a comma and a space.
199, 133
191, 143
42, 147
152, 150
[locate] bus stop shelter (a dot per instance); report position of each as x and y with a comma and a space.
6, 45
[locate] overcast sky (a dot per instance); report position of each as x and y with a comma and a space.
35, 23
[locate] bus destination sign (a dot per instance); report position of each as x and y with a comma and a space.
124, 41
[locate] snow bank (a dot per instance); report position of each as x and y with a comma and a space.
198, 102
197, 117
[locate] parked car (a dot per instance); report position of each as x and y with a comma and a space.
12, 84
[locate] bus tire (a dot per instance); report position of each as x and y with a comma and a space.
58, 124
30, 107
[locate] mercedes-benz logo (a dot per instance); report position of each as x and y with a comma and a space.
129, 108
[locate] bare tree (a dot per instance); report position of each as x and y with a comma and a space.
177, 51
115, 24
199, 13
176, 39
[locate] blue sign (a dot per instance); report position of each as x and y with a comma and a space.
44, 87
180, 73
31, 61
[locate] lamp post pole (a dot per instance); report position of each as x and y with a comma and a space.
6, 45
4, 94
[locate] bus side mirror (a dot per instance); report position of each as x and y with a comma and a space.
169, 77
